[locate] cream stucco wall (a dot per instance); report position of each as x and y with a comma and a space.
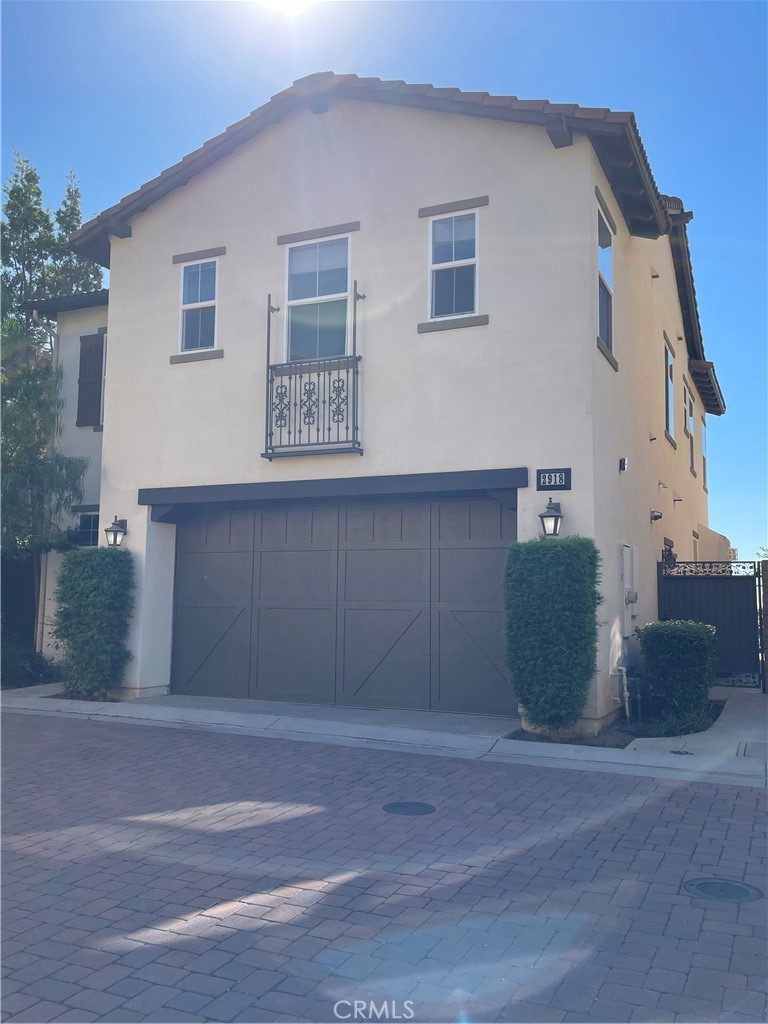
530, 389
84, 442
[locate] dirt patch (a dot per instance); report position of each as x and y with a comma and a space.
613, 736
621, 734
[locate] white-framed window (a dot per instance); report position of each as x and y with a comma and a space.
704, 451
688, 423
669, 391
198, 305
318, 299
605, 281
88, 530
453, 265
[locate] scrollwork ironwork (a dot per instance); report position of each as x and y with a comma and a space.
280, 407
709, 569
309, 403
338, 400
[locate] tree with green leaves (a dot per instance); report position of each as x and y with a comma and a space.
39, 483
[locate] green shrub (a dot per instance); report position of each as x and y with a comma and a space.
95, 599
24, 666
679, 662
551, 596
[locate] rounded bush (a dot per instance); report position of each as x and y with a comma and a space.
679, 658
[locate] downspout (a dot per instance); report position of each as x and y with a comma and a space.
621, 669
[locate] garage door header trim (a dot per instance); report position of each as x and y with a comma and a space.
470, 481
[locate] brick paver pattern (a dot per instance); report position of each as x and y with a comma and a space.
157, 874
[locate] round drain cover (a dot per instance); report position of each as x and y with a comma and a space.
722, 889
409, 807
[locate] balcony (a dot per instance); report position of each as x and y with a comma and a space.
312, 407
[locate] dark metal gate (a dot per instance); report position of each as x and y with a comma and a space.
728, 596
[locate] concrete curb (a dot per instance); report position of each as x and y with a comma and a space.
666, 758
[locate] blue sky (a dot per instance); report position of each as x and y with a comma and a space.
120, 90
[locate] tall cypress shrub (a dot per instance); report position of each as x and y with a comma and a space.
551, 595
95, 601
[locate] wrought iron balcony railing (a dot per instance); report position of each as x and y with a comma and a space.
312, 405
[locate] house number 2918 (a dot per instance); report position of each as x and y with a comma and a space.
553, 479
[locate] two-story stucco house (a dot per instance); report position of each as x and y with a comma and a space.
352, 347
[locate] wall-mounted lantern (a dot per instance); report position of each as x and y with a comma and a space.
656, 515
551, 518
116, 532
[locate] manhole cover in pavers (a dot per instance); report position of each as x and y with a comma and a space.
409, 807
722, 889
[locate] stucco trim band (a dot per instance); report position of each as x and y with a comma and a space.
460, 204
453, 324
197, 354
200, 254
306, 236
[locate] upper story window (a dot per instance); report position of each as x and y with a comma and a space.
703, 451
605, 281
669, 391
688, 424
198, 306
453, 266
318, 298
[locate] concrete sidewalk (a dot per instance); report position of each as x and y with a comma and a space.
733, 751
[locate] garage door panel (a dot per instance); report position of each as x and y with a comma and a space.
379, 630
293, 654
211, 648
297, 576
388, 574
400, 681
473, 574
213, 579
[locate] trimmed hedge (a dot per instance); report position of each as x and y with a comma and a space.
95, 601
551, 596
680, 663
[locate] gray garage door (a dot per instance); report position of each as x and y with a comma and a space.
386, 604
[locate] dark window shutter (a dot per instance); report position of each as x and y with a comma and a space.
89, 381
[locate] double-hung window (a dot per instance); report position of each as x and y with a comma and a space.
605, 282
198, 306
453, 266
88, 530
318, 299
688, 423
669, 391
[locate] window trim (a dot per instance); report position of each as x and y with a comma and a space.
669, 391
199, 305
704, 451
431, 267
689, 420
607, 343
289, 303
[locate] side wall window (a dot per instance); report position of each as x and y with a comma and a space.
669, 391
318, 297
453, 266
88, 530
688, 424
90, 383
198, 306
605, 281
703, 451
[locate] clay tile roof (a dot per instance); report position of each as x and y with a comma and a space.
614, 136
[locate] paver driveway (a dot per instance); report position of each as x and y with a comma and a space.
169, 875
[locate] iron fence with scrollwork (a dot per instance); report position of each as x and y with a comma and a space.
709, 568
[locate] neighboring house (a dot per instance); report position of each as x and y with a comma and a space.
344, 337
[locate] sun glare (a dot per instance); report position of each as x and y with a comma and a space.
290, 8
